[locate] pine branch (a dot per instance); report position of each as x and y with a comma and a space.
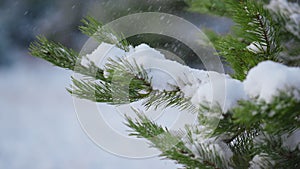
173, 98
124, 82
289, 28
254, 29
55, 53
97, 92
281, 20
95, 29
215, 7
170, 146
90, 26
209, 149
122, 70
236, 136
242, 144
247, 121
237, 56
63, 57
58, 55
128, 82
255, 24
291, 53
281, 156
284, 106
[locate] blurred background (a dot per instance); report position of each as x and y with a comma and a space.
38, 124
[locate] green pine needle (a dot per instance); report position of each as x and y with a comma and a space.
91, 27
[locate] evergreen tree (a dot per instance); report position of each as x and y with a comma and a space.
259, 128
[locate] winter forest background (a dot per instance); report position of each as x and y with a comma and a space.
38, 125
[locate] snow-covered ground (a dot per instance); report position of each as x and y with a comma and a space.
39, 128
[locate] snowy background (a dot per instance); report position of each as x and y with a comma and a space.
38, 124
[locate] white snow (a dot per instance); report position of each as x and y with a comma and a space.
53, 112
154, 63
261, 161
199, 85
266, 79
256, 47
292, 140
210, 144
101, 55
289, 9
263, 81
233, 92
39, 128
